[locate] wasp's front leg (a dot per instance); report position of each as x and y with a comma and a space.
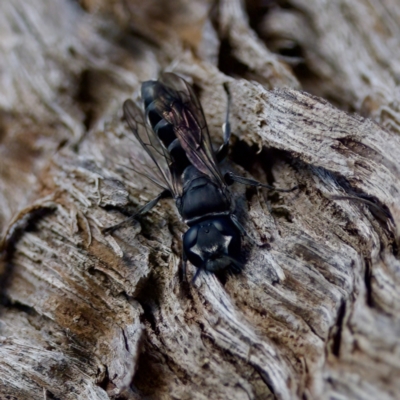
142, 210
230, 177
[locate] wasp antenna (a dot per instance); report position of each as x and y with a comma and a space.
230, 177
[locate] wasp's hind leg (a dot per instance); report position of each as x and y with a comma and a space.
142, 210
230, 177
223, 150
242, 230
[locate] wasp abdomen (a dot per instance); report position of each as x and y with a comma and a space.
152, 91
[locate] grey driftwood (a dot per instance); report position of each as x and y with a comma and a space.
315, 313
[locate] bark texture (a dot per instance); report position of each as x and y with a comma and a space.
315, 313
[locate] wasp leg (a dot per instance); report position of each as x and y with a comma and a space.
234, 269
196, 275
241, 229
142, 210
379, 212
223, 150
230, 177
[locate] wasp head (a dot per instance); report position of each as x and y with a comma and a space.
213, 244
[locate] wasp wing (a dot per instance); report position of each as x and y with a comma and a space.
178, 105
163, 174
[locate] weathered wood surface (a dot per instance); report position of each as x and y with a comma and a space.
316, 311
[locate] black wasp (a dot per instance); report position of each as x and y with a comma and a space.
174, 133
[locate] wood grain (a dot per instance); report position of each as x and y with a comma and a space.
316, 312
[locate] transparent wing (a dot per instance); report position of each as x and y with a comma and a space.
162, 173
178, 105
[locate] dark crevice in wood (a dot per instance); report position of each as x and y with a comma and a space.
125, 340
51, 396
257, 11
87, 95
252, 159
3, 125
311, 81
148, 315
197, 90
291, 51
228, 63
26, 224
152, 366
106, 383
243, 154
229, 273
260, 164
6, 302
337, 336
149, 376
127, 210
5, 279
269, 157
148, 298
266, 379
368, 284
